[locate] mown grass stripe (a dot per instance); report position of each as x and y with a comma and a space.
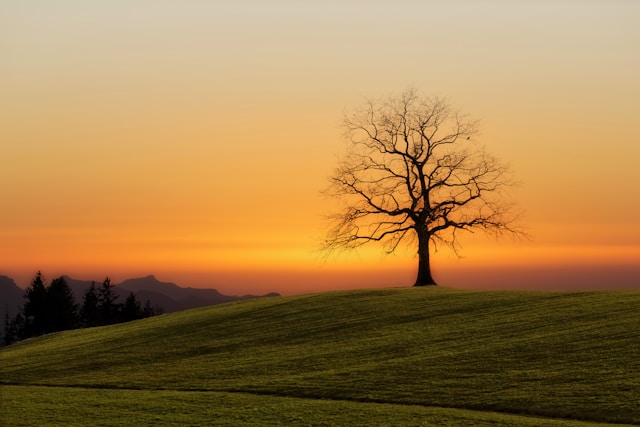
71, 406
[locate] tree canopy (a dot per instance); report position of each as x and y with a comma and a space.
414, 173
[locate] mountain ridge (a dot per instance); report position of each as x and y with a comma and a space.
11, 296
168, 296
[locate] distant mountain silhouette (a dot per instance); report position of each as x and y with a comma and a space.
172, 297
168, 296
79, 287
165, 295
11, 299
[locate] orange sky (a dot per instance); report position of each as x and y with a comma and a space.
191, 139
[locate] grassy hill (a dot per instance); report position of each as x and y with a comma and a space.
393, 356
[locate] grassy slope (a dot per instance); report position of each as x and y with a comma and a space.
573, 355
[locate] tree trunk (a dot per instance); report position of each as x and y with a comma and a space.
424, 266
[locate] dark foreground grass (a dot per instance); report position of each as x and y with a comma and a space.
561, 355
60, 406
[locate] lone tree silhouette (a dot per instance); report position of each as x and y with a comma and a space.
413, 173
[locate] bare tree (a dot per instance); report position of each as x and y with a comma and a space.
413, 172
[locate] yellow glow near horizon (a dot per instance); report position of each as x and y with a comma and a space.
193, 138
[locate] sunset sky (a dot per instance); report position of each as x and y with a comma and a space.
191, 139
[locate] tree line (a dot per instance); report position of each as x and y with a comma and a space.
52, 308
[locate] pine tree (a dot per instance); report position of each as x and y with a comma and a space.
6, 338
14, 329
131, 309
107, 305
90, 312
62, 311
35, 307
148, 310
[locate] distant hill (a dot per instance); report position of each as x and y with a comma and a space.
79, 287
168, 296
11, 299
172, 297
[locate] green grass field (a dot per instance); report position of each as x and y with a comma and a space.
431, 356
